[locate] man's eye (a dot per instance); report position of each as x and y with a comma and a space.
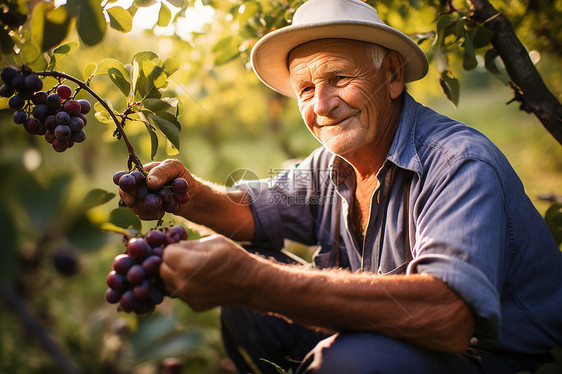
306, 91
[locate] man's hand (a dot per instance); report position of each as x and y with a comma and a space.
209, 272
159, 173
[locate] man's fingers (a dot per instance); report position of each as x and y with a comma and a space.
163, 172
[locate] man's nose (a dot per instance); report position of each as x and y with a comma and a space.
325, 99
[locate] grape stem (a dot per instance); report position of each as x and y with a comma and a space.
82, 85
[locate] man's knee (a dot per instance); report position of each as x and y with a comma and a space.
360, 353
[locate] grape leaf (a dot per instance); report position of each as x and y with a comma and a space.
91, 23
169, 126
469, 61
124, 218
85, 234
164, 15
62, 51
120, 19
94, 198
153, 140
89, 70
450, 86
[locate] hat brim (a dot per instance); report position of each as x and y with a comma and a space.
269, 55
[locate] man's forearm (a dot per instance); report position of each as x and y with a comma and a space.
227, 212
418, 308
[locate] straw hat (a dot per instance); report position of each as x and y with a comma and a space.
322, 19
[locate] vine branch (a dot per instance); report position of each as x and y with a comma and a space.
84, 86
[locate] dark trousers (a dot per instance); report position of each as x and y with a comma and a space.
258, 342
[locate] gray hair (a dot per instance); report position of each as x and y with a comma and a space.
375, 53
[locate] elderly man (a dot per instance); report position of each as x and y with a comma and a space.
431, 258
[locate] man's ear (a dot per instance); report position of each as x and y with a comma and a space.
395, 74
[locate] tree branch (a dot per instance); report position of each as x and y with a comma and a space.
527, 84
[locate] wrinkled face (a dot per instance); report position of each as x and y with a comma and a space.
344, 100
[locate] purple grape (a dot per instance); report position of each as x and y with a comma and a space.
54, 101
7, 74
60, 145
76, 124
158, 251
117, 176
33, 126
19, 117
63, 118
62, 132
143, 291
122, 263
78, 136
165, 195
85, 106
117, 282
152, 264
50, 123
6, 91
172, 237
49, 137
18, 83
182, 231
140, 179
157, 295
136, 274
138, 248
64, 91
179, 185
152, 203
112, 296
16, 102
155, 238
129, 302
33, 83
72, 107
40, 111
39, 97
181, 198
141, 192
127, 183
170, 206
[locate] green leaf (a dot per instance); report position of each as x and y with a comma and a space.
101, 113
61, 52
117, 73
482, 37
85, 234
469, 61
144, 3
89, 70
91, 23
450, 87
124, 218
550, 368
94, 198
157, 105
164, 15
177, 3
169, 126
557, 354
120, 19
153, 140
171, 65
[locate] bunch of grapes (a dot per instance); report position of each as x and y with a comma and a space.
53, 114
166, 198
134, 282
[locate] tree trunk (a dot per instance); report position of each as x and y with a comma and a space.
526, 82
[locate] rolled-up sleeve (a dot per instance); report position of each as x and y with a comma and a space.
282, 205
462, 238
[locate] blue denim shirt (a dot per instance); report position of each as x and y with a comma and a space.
470, 224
